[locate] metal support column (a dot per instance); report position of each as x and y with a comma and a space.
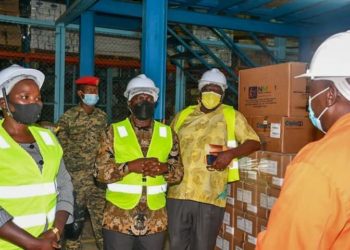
109, 93
305, 49
280, 44
153, 58
180, 93
59, 71
87, 44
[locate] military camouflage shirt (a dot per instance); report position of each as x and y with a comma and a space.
139, 220
79, 134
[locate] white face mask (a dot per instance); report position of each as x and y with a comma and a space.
316, 120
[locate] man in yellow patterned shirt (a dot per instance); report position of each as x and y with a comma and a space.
196, 206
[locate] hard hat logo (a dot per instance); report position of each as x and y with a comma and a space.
213, 76
331, 59
141, 84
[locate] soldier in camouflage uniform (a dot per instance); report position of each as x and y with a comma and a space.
80, 129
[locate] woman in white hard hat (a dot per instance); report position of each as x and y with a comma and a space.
35, 189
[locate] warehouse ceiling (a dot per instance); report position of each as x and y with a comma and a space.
298, 18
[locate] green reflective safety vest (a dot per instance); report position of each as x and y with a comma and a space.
127, 192
230, 118
27, 193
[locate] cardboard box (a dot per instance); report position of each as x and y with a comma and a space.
245, 224
9, 7
267, 197
262, 224
273, 90
246, 197
10, 35
273, 166
283, 134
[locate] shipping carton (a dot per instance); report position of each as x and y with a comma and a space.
267, 197
273, 90
246, 197
273, 166
283, 134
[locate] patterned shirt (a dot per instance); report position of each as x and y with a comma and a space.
140, 220
196, 133
79, 134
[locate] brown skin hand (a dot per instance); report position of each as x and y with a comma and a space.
224, 158
24, 92
87, 89
146, 166
208, 88
12, 233
338, 105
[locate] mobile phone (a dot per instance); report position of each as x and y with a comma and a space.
211, 159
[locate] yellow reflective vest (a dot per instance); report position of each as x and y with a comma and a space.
26, 193
230, 117
127, 192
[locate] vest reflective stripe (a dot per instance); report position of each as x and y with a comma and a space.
127, 192
136, 189
25, 191
157, 189
33, 220
125, 188
230, 117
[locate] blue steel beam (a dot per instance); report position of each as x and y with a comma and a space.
224, 4
117, 22
202, 19
231, 44
59, 71
87, 44
188, 47
321, 9
154, 47
75, 10
263, 46
209, 52
290, 7
246, 6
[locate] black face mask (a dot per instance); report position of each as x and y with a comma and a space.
143, 110
26, 113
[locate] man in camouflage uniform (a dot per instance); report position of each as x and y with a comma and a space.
80, 129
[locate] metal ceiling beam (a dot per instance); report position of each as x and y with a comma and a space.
246, 6
224, 4
291, 7
202, 19
74, 11
322, 9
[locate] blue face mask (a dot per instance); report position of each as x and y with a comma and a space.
90, 99
316, 120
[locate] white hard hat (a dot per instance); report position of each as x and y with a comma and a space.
332, 58
15, 73
213, 76
141, 84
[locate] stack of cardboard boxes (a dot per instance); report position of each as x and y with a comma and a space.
274, 103
10, 34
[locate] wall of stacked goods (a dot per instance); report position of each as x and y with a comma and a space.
117, 57
274, 103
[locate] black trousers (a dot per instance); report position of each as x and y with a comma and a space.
118, 241
193, 225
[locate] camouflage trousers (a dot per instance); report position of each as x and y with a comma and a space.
92, 197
